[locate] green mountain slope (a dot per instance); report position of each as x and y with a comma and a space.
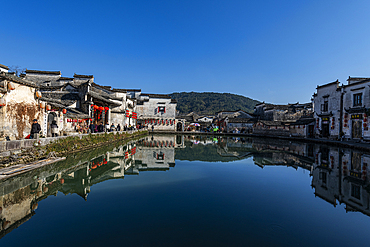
210, 103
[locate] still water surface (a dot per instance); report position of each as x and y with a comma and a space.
192, 191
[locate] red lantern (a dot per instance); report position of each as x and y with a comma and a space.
96, 107
64, 111
106, 108
365, 125
11, 86
2, 102
101, 108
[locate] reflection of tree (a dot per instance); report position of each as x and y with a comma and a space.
200, 152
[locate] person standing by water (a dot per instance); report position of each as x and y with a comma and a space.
92, 127
54, 128
112, 127
101, 127
35, 129
118, 127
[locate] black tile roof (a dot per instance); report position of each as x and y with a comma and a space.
18, 80
119, 90
108, 88
328, 84
65, 78
43, 72
83, 76
159, 96
99, 97
4, 67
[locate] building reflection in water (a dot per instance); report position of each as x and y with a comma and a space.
338, 175
19, 196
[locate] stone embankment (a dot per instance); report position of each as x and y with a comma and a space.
360, 144
42, 148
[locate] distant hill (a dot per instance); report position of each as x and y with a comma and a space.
210, 103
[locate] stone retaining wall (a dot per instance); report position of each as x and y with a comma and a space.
10, 147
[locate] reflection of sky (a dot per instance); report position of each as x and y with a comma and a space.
196, 204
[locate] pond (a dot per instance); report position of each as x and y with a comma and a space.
192, 191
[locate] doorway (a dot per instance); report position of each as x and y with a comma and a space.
311, 129
51, 117
325, 128
179, 126
356, 129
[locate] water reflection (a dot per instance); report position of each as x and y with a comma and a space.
338, 175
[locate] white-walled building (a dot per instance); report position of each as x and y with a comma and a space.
327, 114
157, 110
356, 105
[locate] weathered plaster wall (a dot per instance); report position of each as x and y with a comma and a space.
21, 108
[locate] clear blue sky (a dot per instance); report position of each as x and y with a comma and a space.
273, 51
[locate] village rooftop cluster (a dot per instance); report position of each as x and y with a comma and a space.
73, 103
336, 111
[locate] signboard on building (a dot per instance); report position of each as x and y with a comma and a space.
356, 116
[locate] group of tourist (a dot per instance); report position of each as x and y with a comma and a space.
96, 128
81, 128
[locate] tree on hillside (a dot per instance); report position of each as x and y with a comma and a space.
210, 103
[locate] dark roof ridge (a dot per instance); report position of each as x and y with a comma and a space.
131, 90
356, 83
4, 66
18, 80
153, 95
328, 84
65, 78
119, 90
43, 72
102, 87
82, 76
357, 78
